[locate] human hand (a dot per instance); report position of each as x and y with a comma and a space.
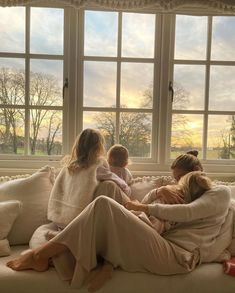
136, 213
135, 206
170, 194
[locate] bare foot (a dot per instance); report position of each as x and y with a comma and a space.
28, 261
101, 277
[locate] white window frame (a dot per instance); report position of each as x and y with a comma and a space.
73, 108
220, 165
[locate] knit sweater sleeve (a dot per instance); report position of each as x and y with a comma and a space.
212, 202
103, 173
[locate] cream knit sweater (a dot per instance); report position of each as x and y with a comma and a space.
199, 222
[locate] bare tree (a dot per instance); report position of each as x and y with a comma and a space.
53, 129
12, 93
44, 91
135, 127
228, 139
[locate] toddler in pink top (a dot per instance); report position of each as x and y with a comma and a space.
118, 159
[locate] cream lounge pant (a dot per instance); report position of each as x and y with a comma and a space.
107, 229
112, 190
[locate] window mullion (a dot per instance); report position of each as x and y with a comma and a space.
80, 71
27, 81
207, 88
167, 62
118, 85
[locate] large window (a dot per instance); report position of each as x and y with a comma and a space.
204, 82
119, 60
31, 80
158, 84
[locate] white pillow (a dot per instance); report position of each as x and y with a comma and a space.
9, 210
141, 186
232, 188
34, 193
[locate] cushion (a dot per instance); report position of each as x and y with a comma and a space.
33, 192
232, 188
9, 210
141, 186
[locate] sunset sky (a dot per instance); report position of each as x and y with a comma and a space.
138, 37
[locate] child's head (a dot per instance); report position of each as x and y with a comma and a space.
194, 184
87, 148
186, 163
118, 156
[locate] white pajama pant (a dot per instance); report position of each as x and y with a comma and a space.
107, 229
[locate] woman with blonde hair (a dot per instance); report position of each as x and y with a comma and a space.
79, 178
190, 187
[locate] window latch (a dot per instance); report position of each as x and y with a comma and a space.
66, 85
171, 89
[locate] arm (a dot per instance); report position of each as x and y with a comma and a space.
165, 194
212, 202
104, 173
150, 197
129, 177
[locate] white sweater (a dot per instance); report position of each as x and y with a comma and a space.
199, 222
71, 193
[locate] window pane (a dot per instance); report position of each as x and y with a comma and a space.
105, 122
46, 81
135, 133
12, 29
223, 38
101, 33
12, 81
136, 85
138, 35
186, 133
45, 132
100, 84
190, 37
12, 131
46, 32
221, 137
189, 84
222, 88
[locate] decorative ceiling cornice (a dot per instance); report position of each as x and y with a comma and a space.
222, 6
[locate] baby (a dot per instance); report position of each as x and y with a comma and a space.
190, 187
118, 159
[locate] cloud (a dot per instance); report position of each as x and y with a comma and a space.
138, 35
222, 88
192, 79
12, 29
136, 79
47, 29
100, 33
191, 37
100, 84
223, 38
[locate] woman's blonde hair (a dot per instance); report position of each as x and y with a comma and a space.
188, 162
87, 148
118, 156
194, 184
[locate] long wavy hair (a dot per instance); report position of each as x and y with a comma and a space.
88, 147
